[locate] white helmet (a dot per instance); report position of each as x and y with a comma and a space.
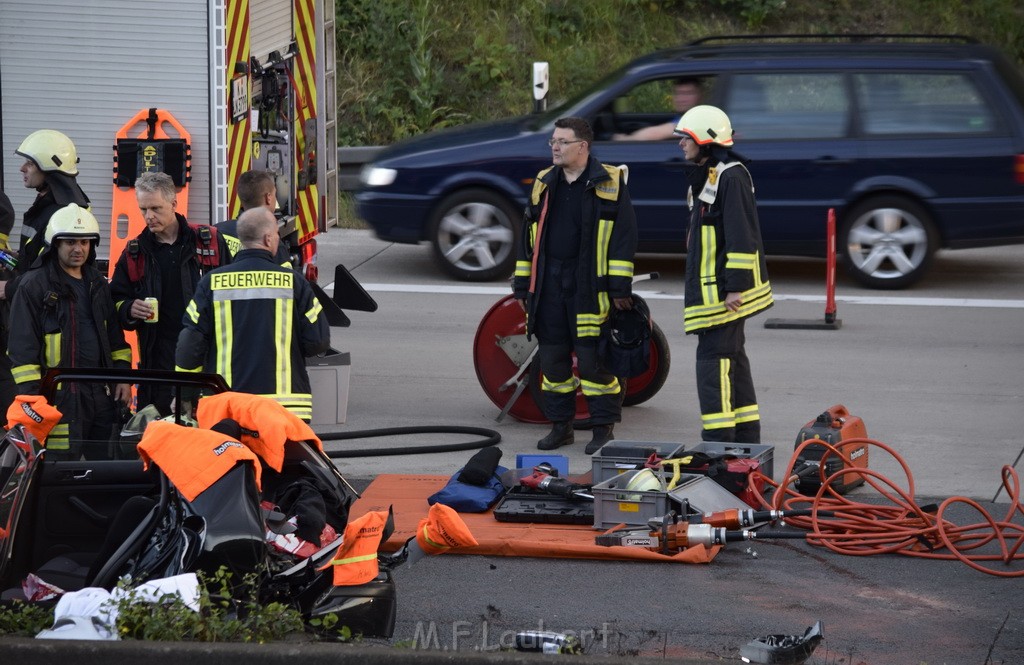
72, 221
51, 151
706, 124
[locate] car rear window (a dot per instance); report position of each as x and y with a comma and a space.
788, 106
922, 103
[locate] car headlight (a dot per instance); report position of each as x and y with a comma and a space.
375, 176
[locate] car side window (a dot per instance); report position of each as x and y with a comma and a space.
795, 105
922, 103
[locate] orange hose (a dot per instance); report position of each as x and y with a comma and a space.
898, 525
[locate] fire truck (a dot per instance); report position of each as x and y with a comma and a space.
202, 89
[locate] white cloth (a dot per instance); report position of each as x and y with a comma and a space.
91, 614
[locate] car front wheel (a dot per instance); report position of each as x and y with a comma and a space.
888, 242
473, 233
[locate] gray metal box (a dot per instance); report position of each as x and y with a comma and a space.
328, 379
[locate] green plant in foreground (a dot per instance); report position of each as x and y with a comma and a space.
231, 613
24, 619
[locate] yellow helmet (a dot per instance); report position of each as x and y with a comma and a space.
72, 221
51, 151
706, 124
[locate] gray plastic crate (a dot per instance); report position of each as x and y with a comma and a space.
605, 467
614, 504
762, 452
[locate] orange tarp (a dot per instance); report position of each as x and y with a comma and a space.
408, 494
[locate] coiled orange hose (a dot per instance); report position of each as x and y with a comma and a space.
898, 525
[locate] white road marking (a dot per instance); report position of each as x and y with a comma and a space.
901, 301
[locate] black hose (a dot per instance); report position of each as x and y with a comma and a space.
490, 438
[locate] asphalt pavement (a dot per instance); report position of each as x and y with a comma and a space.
934, 371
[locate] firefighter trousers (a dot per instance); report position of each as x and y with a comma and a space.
725, 388
556, 335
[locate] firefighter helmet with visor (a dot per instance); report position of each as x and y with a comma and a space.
51, 151
706, 125
72, 221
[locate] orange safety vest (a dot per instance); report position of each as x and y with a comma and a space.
193, 459
266, 425
356, 559
34, 414
442, 529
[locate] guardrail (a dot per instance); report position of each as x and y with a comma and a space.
350, 162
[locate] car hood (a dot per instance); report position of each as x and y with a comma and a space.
475, 134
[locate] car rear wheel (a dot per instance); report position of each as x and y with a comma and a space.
473, 233
888, 242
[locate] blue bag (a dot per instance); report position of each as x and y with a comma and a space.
466, 498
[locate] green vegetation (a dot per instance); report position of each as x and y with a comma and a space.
409, 66
228, 612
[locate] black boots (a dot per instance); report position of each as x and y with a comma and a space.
602, 435
560, 435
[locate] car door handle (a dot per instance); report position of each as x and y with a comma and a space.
76, 474
832, 161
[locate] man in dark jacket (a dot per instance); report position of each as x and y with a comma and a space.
164, 263
726, 275
254, 322
575, 263
65, 318
256, 189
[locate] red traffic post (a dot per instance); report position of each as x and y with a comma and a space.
830, 321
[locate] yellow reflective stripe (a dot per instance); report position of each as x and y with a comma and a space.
118, 304
179, 368
314, 311
51, 353
717, 420
618, 268
748, 414
192, 311
426, 536
121, 354
533, 234
593, 389
59, 437
283, 361
567, 386
604, 236
708, 277
740, 260
26, 373
589, 331
523, 268
354, 559
223, 329
699, 317
725, 386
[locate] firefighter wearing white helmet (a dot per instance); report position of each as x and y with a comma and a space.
50, 168
66, 318
726, 277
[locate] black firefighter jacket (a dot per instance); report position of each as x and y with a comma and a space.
43, 334
607, 245
254, 322
724, 253
195, 260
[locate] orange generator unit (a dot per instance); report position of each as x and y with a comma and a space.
842, 430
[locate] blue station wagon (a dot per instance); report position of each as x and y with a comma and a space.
917, 142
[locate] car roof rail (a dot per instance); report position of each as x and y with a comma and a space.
825, 37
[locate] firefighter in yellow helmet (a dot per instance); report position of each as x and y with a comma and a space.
726, 276
66, 318
50, 168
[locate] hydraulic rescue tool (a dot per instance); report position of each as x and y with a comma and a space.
667, 534
815, 462
544, 481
